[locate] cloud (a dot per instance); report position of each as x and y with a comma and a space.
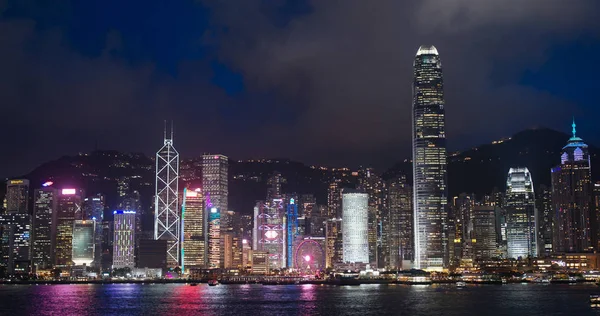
353, 60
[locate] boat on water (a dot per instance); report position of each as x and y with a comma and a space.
461, 284
193, 284
595, 300
213, 283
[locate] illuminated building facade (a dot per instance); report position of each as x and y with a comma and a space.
484, 232
260, 262
124, 239
44, 208
371, 183
333, 242
291, 230
545, 220
193, 250
166, 204
214, 238
572, 198
84, 233
400, 224
355, 209
429, 161
334, 200
93, 209
521, 227
215, 184
462, 230
15, 228
269, 234
68, 205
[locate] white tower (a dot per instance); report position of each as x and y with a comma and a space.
166, 211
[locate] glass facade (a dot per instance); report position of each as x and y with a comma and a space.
193, 239
43, 241
521, 217
124, 239
269, 233
84, 242
69, 204
429, 161
215, 169
214, 238
355, 222
572, 199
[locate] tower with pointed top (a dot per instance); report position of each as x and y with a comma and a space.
429, 162
166, 199
572, 193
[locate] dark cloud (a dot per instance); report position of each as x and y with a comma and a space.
319, 81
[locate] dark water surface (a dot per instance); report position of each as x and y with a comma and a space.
181, 300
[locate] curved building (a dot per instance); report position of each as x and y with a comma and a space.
355, 223
572, 198
521, 217
429, 162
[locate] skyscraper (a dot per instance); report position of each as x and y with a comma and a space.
17, 192
371, 183
214, 238
166, 204
15, 227
484, 232
84, 233
124, 239
572, 197
214, 180
429, 161
43, 227
334, 200
355, 209
93, 209
69, 204
193, 251
545, 219
521, 227
400, 223
269, 233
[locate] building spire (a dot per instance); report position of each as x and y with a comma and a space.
165, 131
573, 125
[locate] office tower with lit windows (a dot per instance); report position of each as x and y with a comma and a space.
269, 233
462, 219
69, 204
545, 221
44, 207
333, 242
572, 198
15, 228
596, 217
214, 238
166, 204
124, 239
291, 230
193, 250
215, 170
400, 223
521, 226
355, 220
84, 242
370, 183
484, 232
93, 209
306, 205
429, 161
334, 200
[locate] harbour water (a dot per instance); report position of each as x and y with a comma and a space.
308, 299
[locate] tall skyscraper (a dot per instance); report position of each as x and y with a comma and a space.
17, 192
193, 250
15, 228
214, 238
572, 197
84, 242
69, 204
521, 227
355, 219
93, 209
43, 227
166, 204
215, 170
269, 233
334, 200
545, 220
400, 223
124, 239
371, 183
429, 161
484, 232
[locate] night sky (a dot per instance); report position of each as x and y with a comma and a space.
325, 82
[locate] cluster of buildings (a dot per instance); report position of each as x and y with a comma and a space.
376, 223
